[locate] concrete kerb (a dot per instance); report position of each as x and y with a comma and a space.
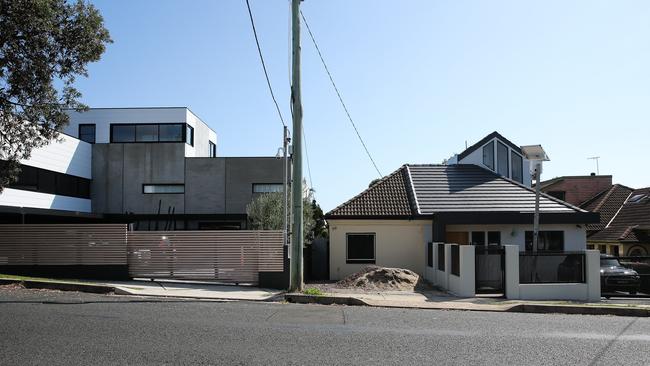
513, 308
62, 286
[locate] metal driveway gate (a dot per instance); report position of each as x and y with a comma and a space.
235, 256
490, 269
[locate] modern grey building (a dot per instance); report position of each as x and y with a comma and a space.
156, 168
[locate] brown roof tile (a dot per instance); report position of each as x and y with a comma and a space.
631, 223
607, 203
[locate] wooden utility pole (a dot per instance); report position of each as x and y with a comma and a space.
296, 277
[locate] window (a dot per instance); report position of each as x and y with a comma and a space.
152, 132
561, 195
430, 254
494, 237
163, 188
602, 249
548, 241
189, 135
87, 133
122, 133
488, 155
502, 159
517, 163
170, 133
615, 250
47, 181
212, 149
478, 238
360, 248
268, 187
146, 133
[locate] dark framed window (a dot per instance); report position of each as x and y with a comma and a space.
517, 163
212, 149
561, 195
122, 133
170, 132
268, 187
548, 241
146, 133
441, 257
494, 237
502, 159
47, 181
430, 254
87, 132
488, 155
189, 135
478, 238
163, 188
360, 248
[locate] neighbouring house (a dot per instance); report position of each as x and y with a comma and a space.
627, 232
155, 168
576, 189
479, 197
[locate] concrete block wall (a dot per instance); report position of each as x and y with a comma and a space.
463, 284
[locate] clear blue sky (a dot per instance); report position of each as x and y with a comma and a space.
420, 78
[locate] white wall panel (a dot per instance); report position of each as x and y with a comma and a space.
69, 156
20, 198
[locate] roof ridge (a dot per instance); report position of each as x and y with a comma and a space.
618, 211
413, 198
610, 191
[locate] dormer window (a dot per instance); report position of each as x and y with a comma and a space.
488, 155
517, 167
502, 159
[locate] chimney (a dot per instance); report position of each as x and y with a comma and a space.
593, 174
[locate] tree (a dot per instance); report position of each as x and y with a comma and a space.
320, 225
265, 212
44, 46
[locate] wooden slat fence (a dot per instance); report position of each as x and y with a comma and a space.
235, 256
76, 244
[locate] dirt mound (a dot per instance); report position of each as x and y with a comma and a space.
381, 278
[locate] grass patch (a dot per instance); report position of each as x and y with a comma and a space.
28, 278
313, 291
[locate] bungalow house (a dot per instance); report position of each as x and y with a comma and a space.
627, 231
481, 196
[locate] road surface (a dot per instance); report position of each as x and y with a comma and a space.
67, 328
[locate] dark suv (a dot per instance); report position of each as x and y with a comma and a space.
615, 277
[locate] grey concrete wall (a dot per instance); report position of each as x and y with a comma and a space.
120, 170
225, 185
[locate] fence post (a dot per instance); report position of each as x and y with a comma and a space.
592, 274
467, 273
512, 271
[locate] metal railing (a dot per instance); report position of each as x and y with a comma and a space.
552, 267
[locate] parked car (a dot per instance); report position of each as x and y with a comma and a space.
614, 277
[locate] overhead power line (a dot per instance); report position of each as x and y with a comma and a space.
313, 39
266, 74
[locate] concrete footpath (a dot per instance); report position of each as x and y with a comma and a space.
437, 300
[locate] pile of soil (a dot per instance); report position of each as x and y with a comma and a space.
381, 278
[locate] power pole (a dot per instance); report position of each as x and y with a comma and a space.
296, 277
285, 152
538, 181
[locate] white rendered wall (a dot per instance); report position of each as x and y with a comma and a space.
69, 156
398, 243
575, 236
21, 198
104, 117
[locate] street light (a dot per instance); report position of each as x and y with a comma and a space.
536, 155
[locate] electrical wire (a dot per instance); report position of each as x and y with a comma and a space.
338, 93
266, 74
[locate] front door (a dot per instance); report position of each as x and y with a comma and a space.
490, 269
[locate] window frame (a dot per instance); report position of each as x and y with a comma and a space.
161, 185
507, 159
361, 260
189, 137
541, 233
491, 149
281, 185
184, 127
513, 154
212, 149
94, 126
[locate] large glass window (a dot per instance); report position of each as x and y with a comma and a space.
488, 155
517, 167
47, 181
478, 238
268, 187
502, 159
122, 133
146, 133
171, 133
360, 248
494, 237
163, 188
547, 241
87, 133
189, 135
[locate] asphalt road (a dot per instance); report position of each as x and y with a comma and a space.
44, 327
